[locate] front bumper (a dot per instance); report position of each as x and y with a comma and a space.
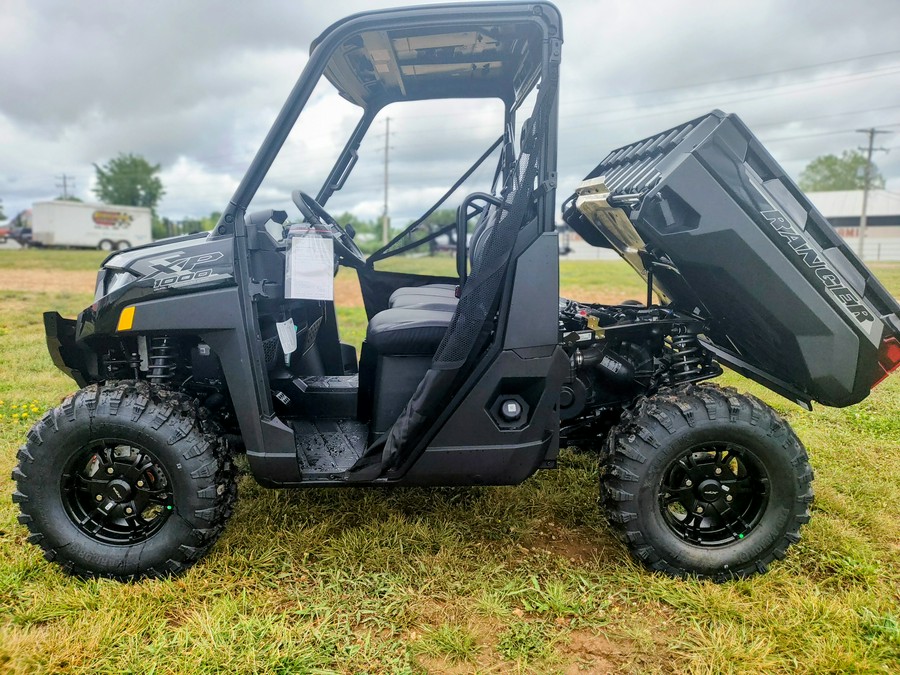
74, 360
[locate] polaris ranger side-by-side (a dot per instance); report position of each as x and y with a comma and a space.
202, 346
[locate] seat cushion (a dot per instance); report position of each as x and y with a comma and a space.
440, 304
403, 330
438, 297
429, 290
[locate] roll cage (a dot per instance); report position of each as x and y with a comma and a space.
481, 50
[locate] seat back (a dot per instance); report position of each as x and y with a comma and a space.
475, 317
485, 223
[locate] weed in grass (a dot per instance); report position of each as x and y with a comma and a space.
559, 598
456, 643
881, 630
526, 642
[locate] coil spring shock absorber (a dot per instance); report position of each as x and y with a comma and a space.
162, 360
687, 352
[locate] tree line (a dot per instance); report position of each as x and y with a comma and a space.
131, 180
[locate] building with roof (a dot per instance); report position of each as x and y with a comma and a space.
843, 209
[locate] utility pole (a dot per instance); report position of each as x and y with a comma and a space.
385, 220
871, 133
64, 185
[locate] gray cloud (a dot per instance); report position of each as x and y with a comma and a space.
195, 85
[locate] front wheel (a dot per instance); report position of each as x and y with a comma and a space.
124, 481
705, 481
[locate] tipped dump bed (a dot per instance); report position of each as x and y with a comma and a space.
728, 236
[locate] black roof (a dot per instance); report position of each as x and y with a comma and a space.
471, 50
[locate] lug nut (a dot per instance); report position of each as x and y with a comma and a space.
128, 509
699, 509
140, 483
688, 482
728, 498
99, 498
109, 470
718, 470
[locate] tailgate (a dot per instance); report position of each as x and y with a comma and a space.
728, 236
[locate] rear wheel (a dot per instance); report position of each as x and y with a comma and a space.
105, 245
122, 245
124, 481
705, 481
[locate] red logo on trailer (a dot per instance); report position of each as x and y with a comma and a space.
116, 220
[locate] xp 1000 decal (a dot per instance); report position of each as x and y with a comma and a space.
177, 270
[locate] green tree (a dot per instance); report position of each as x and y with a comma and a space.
847, 172
2, 215
360, 225
129, 180
67, 198
210, 221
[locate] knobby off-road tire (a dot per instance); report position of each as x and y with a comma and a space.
124, 481
705, 481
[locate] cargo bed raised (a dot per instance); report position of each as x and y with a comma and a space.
727, 235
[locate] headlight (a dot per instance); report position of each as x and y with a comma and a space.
111, 280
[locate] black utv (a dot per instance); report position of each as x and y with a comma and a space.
199, 347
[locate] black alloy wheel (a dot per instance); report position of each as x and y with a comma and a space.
116, 492
714, 494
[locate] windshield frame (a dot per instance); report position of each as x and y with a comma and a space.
543, 14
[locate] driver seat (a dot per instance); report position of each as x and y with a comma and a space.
408, 330
400, 344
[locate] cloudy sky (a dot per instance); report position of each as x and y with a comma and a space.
194, 85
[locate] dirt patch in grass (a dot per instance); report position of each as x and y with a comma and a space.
47, 281
591, 651
346, 289
576, 546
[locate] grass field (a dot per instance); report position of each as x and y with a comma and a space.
523, 579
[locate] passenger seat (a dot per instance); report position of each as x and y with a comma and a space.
443, 297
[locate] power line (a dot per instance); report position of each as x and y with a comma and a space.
693, 103
751, 76
64, 184
871, 133
385, 219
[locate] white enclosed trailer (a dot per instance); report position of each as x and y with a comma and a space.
107, 227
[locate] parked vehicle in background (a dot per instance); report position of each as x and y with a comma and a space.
108, 227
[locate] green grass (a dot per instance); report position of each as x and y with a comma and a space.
517, 579
573, 274
51, 259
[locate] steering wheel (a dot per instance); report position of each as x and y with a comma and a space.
347, 250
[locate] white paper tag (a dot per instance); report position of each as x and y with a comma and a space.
287, 334
310, 268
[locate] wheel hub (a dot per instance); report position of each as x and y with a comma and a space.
117, 491
710, 490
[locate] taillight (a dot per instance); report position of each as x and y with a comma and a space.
888, 358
